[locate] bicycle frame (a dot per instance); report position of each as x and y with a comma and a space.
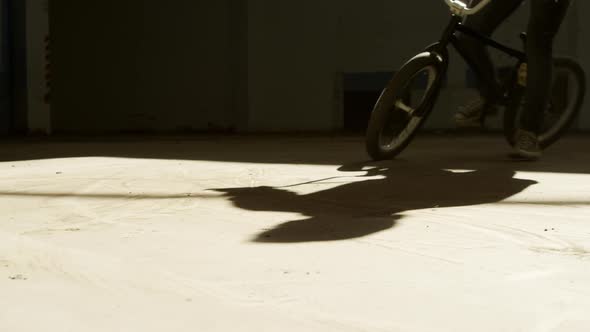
385, 141
449, 37
521, 56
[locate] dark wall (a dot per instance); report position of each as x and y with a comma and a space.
141, 65
5, 70
300, 49
13, 82
257, 65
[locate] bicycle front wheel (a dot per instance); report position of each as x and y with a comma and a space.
567, 95
403, 106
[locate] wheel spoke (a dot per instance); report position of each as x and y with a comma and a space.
400, 104
567, 89
393, 121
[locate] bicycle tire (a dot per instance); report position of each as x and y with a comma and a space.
550, 135
385, 106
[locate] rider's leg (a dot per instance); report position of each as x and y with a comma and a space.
477, 57
475, 53
545, 20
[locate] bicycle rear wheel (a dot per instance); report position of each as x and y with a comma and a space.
567, 95
403, 106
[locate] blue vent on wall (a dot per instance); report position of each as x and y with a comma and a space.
373, 81
360, 92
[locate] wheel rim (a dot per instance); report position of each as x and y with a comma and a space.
402, 120
563, 102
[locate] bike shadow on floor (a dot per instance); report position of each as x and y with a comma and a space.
374, 201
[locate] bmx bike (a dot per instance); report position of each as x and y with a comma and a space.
409, 97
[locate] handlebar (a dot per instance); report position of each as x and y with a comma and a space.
460, 8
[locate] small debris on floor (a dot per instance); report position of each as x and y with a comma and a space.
18, 277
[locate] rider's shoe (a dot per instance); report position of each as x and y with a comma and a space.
472, 114
526, 145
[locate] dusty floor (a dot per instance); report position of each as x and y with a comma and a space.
293, 234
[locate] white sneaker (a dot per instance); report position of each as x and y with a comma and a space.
472, 114
526, 145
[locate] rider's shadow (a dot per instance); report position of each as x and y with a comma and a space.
364, 207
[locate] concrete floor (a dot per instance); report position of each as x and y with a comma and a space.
292, 234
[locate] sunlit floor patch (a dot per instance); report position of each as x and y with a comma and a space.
293, 235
